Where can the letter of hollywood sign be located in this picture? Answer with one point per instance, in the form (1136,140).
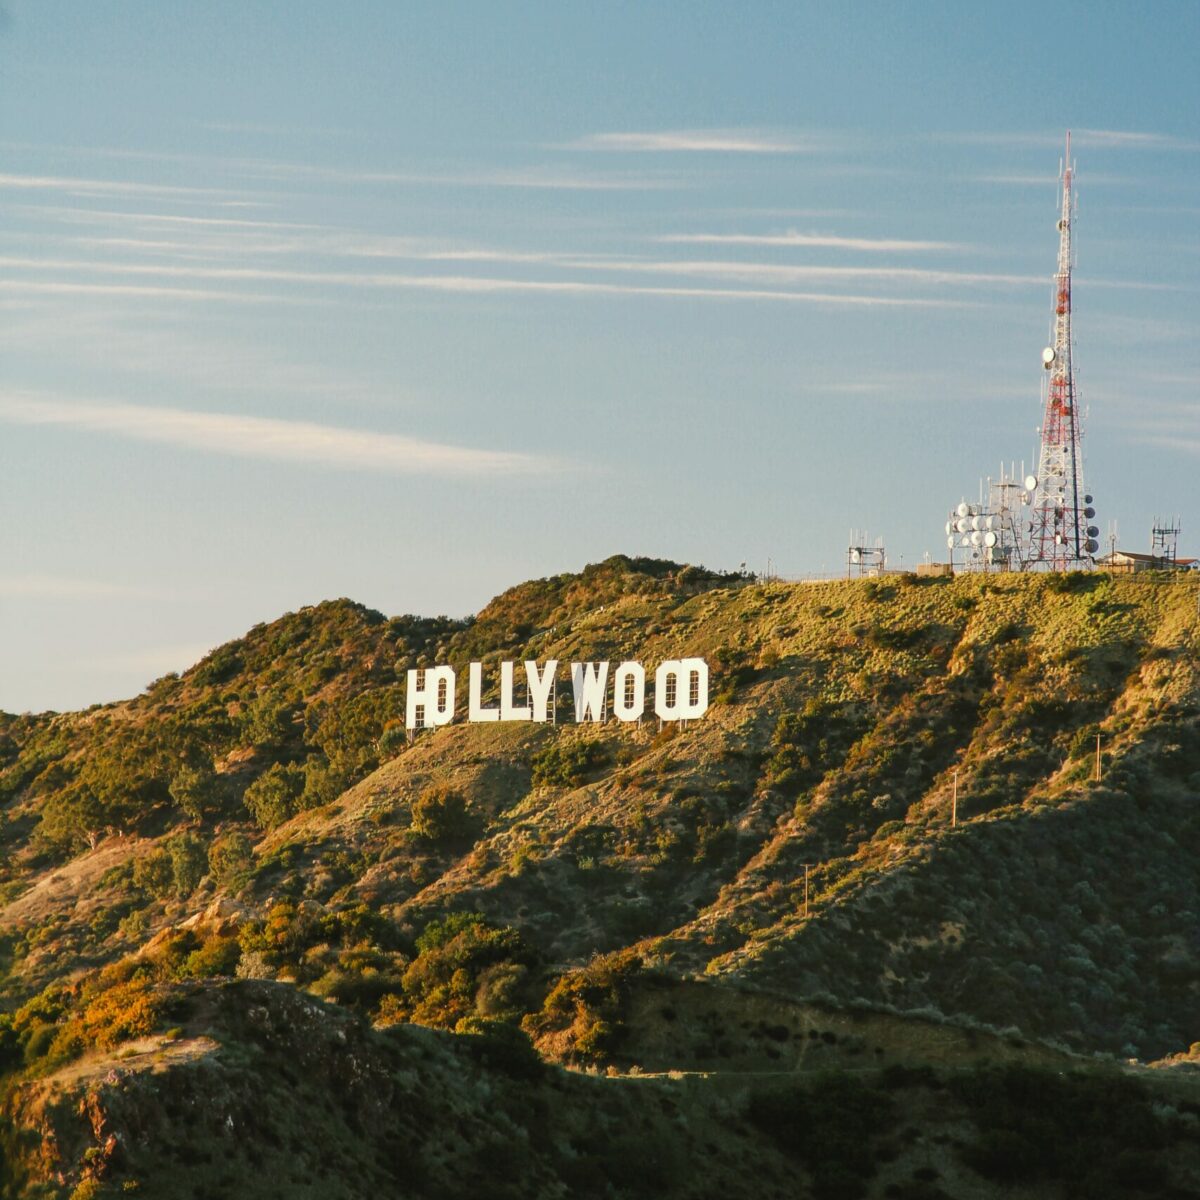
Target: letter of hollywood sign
(680,692)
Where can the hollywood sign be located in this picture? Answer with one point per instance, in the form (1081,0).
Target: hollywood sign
(680,692)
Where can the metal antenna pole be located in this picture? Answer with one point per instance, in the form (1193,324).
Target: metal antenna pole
(1061,536)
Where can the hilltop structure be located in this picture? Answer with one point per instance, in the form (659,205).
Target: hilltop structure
(1057,533)
(1061,537)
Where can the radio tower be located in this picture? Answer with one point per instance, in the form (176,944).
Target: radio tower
(1061,537)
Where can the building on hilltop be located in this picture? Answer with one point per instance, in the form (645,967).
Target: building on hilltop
(1130,563)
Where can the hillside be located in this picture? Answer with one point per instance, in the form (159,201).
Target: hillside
(632,898)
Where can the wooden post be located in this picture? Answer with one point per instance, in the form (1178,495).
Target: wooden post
(954,802)
(1097,774)
(806,891)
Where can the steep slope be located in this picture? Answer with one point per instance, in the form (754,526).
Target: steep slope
(274,778)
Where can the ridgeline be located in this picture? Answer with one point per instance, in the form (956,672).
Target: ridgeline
(257,943)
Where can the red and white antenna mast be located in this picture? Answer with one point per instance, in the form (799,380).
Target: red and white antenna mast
(1061,536)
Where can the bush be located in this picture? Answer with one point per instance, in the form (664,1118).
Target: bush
(154,873)
(196,791)
(566,764)
(274,796)
(440,814)
(231,860)
(589,1005)
(189,863)
(465,972)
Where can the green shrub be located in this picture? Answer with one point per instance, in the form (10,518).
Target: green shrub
(196,791)
(154,873)
(440,814)
(567,763)
(231,860)
(274,796)
(189,863)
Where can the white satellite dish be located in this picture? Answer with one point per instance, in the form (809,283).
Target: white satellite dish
(963,509)
(966,541)
(989,539)
(949,526)
(977,538)
(962,524)
(1031,483)
(856,556)
(951,542)
(976,522)
(1047,357)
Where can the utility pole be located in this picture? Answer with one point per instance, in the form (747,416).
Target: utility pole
(954,801)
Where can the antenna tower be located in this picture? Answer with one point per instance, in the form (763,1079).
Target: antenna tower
(1164,542)
(1061,536)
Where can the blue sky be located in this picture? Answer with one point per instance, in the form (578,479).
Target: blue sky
(409,303)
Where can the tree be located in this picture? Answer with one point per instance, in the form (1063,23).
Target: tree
(196,792)
(439,814)
(231,860)
(72,819)
(189,862)
(272,798)
(154,873)
(323,783)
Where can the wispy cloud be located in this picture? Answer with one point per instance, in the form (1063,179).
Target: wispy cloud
(1048,179)
(1120,139)
(269,438)
(62,587)
(483,285)
(809,239)
(100,187)
(710,141)
(535,177)
(102,216)
(51,287)
(783,274)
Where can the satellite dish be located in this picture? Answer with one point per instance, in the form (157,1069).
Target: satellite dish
(989,539)
(1091,545)
(962,524)
(963,509)
(856,556)
(1025,497)
(977,538)
(1089,512)
(951,542)
(977,522)
(1093,531)
(1031,483)
(949,526)
(1047,357)
(1087,499)
(966,541)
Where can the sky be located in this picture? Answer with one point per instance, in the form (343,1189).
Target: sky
(410,303)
